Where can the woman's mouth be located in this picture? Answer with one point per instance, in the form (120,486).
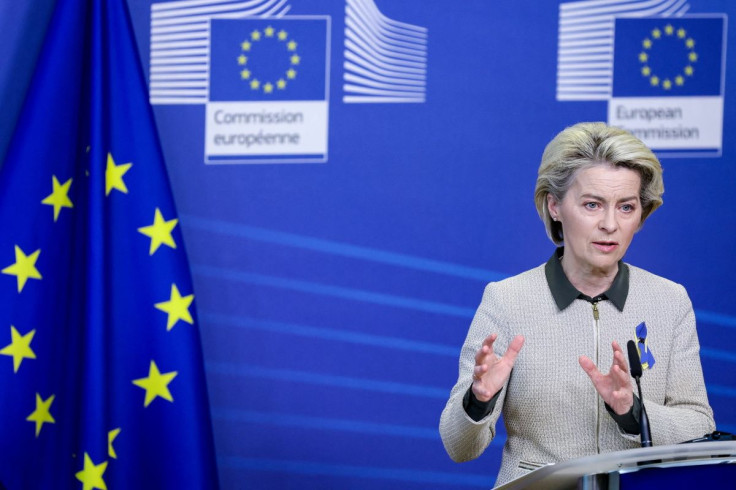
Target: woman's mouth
(605,245)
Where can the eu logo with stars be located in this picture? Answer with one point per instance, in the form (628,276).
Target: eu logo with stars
(668,83)
(663,57)
(267,59)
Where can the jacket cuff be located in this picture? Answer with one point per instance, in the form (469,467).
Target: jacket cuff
(478,410)
(628,422)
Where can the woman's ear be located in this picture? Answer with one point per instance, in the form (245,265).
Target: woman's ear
(553,206)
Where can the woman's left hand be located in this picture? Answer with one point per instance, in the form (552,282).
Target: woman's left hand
(614,387)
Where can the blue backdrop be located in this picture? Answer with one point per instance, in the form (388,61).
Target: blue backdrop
(333,297)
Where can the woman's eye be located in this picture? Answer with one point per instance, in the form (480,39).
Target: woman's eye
(591,205)
(627,208)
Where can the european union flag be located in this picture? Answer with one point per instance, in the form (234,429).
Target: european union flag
(101,370)
(668,56)
(268,59)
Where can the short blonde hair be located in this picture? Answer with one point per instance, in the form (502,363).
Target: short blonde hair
(592,143)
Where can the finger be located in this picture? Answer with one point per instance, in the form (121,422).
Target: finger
(589,367)
(485,349)
(480,356)
(616,347)
(616,360)
(620,361)
(479,371)
(621,376)
(513,350)
(490,340)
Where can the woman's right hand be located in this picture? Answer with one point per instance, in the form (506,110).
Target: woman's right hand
(491,372)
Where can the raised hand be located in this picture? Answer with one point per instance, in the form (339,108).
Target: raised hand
(614,387)
(491,372)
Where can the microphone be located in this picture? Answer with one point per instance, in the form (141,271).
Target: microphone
(636,372)
(634,361)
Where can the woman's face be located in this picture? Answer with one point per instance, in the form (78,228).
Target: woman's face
(599,215)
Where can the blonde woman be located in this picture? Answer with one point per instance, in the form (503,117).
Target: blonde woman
(544,347)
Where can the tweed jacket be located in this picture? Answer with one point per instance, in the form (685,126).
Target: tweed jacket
(550,408)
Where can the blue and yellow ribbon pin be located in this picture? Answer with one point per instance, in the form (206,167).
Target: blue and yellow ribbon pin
(645,354)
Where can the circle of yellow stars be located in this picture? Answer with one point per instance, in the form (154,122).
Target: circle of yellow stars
(246,47)
(656,35)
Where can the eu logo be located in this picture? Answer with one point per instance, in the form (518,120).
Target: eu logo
(661,57)
(267,59)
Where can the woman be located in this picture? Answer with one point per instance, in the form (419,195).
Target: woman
(540,342)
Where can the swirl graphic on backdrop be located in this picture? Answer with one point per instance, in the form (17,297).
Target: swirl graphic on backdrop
(385,60)
(667,40)
(250,48)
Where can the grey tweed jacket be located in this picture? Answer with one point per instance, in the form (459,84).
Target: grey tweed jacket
(550,409)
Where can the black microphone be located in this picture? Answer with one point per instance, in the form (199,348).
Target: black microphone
(634,361)
(636,372)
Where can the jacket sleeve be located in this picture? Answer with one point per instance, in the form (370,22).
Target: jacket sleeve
(685,413)
(465,439)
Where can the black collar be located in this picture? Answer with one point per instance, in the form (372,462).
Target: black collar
(565,293)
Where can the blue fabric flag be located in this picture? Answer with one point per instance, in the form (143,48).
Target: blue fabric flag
(668,57)
(101,369)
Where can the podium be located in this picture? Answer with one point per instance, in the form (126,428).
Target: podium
(708,464)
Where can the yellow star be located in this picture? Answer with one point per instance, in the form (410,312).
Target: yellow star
(268,88)
(156,384)
(690,43)
(643,57)
(269,31)
(245,46)
(646,43)
(91,474)
(668,29)
(654,81)
(59,197)
(656,33)
(254,84)
(693,56)
(19,347)
(255,35)
(646,71)
(283,35)
(667,84)
(24,267)
(177,308)
(679,80)
(681,33)
(295,59)
(291,73)
(689,70)
(114,175)
(281,84)
(242,59)
(159,232)
(291,45)
(245,74)
(110,439)
(41,414)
